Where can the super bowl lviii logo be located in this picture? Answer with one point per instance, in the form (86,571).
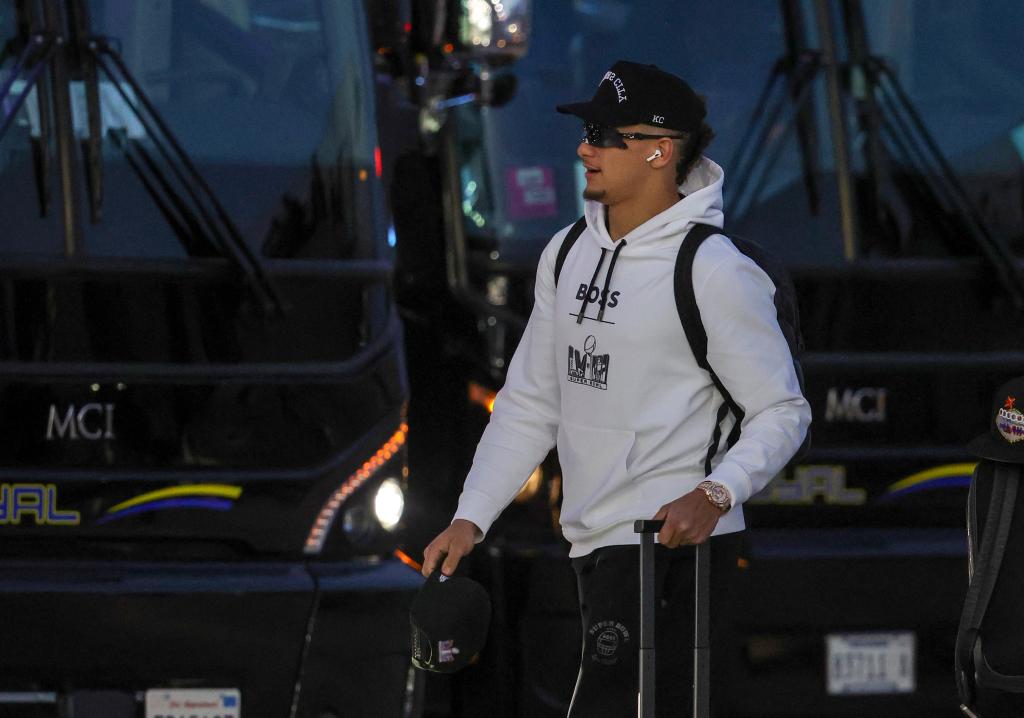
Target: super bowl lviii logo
(588,368)
(1010,421)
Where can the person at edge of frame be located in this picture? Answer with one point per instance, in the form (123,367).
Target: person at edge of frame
(604,372)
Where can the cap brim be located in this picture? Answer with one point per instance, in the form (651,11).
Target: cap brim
(988,447)
(451,667)
(586,111)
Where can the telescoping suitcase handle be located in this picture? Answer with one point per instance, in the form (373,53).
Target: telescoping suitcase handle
(701,610)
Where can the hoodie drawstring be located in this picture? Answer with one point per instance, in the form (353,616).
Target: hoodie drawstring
(603,296)
(586,294)
(608,278)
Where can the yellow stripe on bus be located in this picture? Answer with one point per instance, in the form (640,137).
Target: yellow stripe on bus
(939,472)
(222,490)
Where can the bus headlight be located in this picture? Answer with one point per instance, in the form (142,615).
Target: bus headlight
(358,520)
(389,503)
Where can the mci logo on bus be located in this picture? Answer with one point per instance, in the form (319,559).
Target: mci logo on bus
(92,422)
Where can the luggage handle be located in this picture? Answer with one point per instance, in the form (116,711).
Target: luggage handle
(701,609)
(645,697)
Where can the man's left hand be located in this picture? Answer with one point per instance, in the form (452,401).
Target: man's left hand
(690,519)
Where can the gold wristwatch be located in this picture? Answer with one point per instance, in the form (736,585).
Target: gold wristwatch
(717,494)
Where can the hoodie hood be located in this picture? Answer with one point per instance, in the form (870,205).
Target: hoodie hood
(701,203)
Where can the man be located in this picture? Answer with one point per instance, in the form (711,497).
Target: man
(604,371)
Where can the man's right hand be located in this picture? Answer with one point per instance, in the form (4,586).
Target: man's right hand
(451,545)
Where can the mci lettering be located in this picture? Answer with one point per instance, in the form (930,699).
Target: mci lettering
(91,422)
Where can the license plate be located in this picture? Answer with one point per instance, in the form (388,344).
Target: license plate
(193,703)
(870,663)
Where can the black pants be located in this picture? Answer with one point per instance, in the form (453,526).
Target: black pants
(609,591)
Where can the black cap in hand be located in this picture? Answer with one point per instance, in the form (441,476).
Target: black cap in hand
(449,616)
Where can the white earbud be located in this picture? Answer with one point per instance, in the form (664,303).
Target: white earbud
(657,153)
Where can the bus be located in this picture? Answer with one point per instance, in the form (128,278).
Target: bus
(202,375)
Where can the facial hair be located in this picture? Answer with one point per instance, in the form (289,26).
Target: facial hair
(594,194)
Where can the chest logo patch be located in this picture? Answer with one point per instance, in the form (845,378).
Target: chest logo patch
(588,368)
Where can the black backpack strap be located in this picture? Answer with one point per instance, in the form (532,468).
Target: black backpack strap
(986,560)
(686,296)
(570,239)
(697,336)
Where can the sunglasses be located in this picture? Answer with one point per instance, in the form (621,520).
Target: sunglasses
(603,136)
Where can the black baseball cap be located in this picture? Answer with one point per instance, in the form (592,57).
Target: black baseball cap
(1005,439)
(449,616)
(635,94)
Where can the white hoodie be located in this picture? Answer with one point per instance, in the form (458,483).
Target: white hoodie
(621,393)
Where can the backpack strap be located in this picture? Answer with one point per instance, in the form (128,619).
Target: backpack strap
(986,560)
(570,239)
(696,335)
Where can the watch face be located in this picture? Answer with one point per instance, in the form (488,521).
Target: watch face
(718,495)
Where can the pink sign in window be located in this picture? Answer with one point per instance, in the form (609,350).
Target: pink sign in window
(531,192)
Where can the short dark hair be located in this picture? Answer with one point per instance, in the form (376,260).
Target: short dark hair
(690,148)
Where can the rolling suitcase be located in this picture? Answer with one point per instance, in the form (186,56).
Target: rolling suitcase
(702,629)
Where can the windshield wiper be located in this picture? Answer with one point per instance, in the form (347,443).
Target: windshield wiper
(207,228)
(196,215)
(896,138)
(171,205)
(91,148)
(35,54)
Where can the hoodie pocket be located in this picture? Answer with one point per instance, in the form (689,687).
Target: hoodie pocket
(596,487)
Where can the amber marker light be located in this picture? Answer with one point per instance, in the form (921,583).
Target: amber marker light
(408,560)
(325,519)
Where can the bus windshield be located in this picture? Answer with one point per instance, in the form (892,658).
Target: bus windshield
(958,63)
(268,98)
